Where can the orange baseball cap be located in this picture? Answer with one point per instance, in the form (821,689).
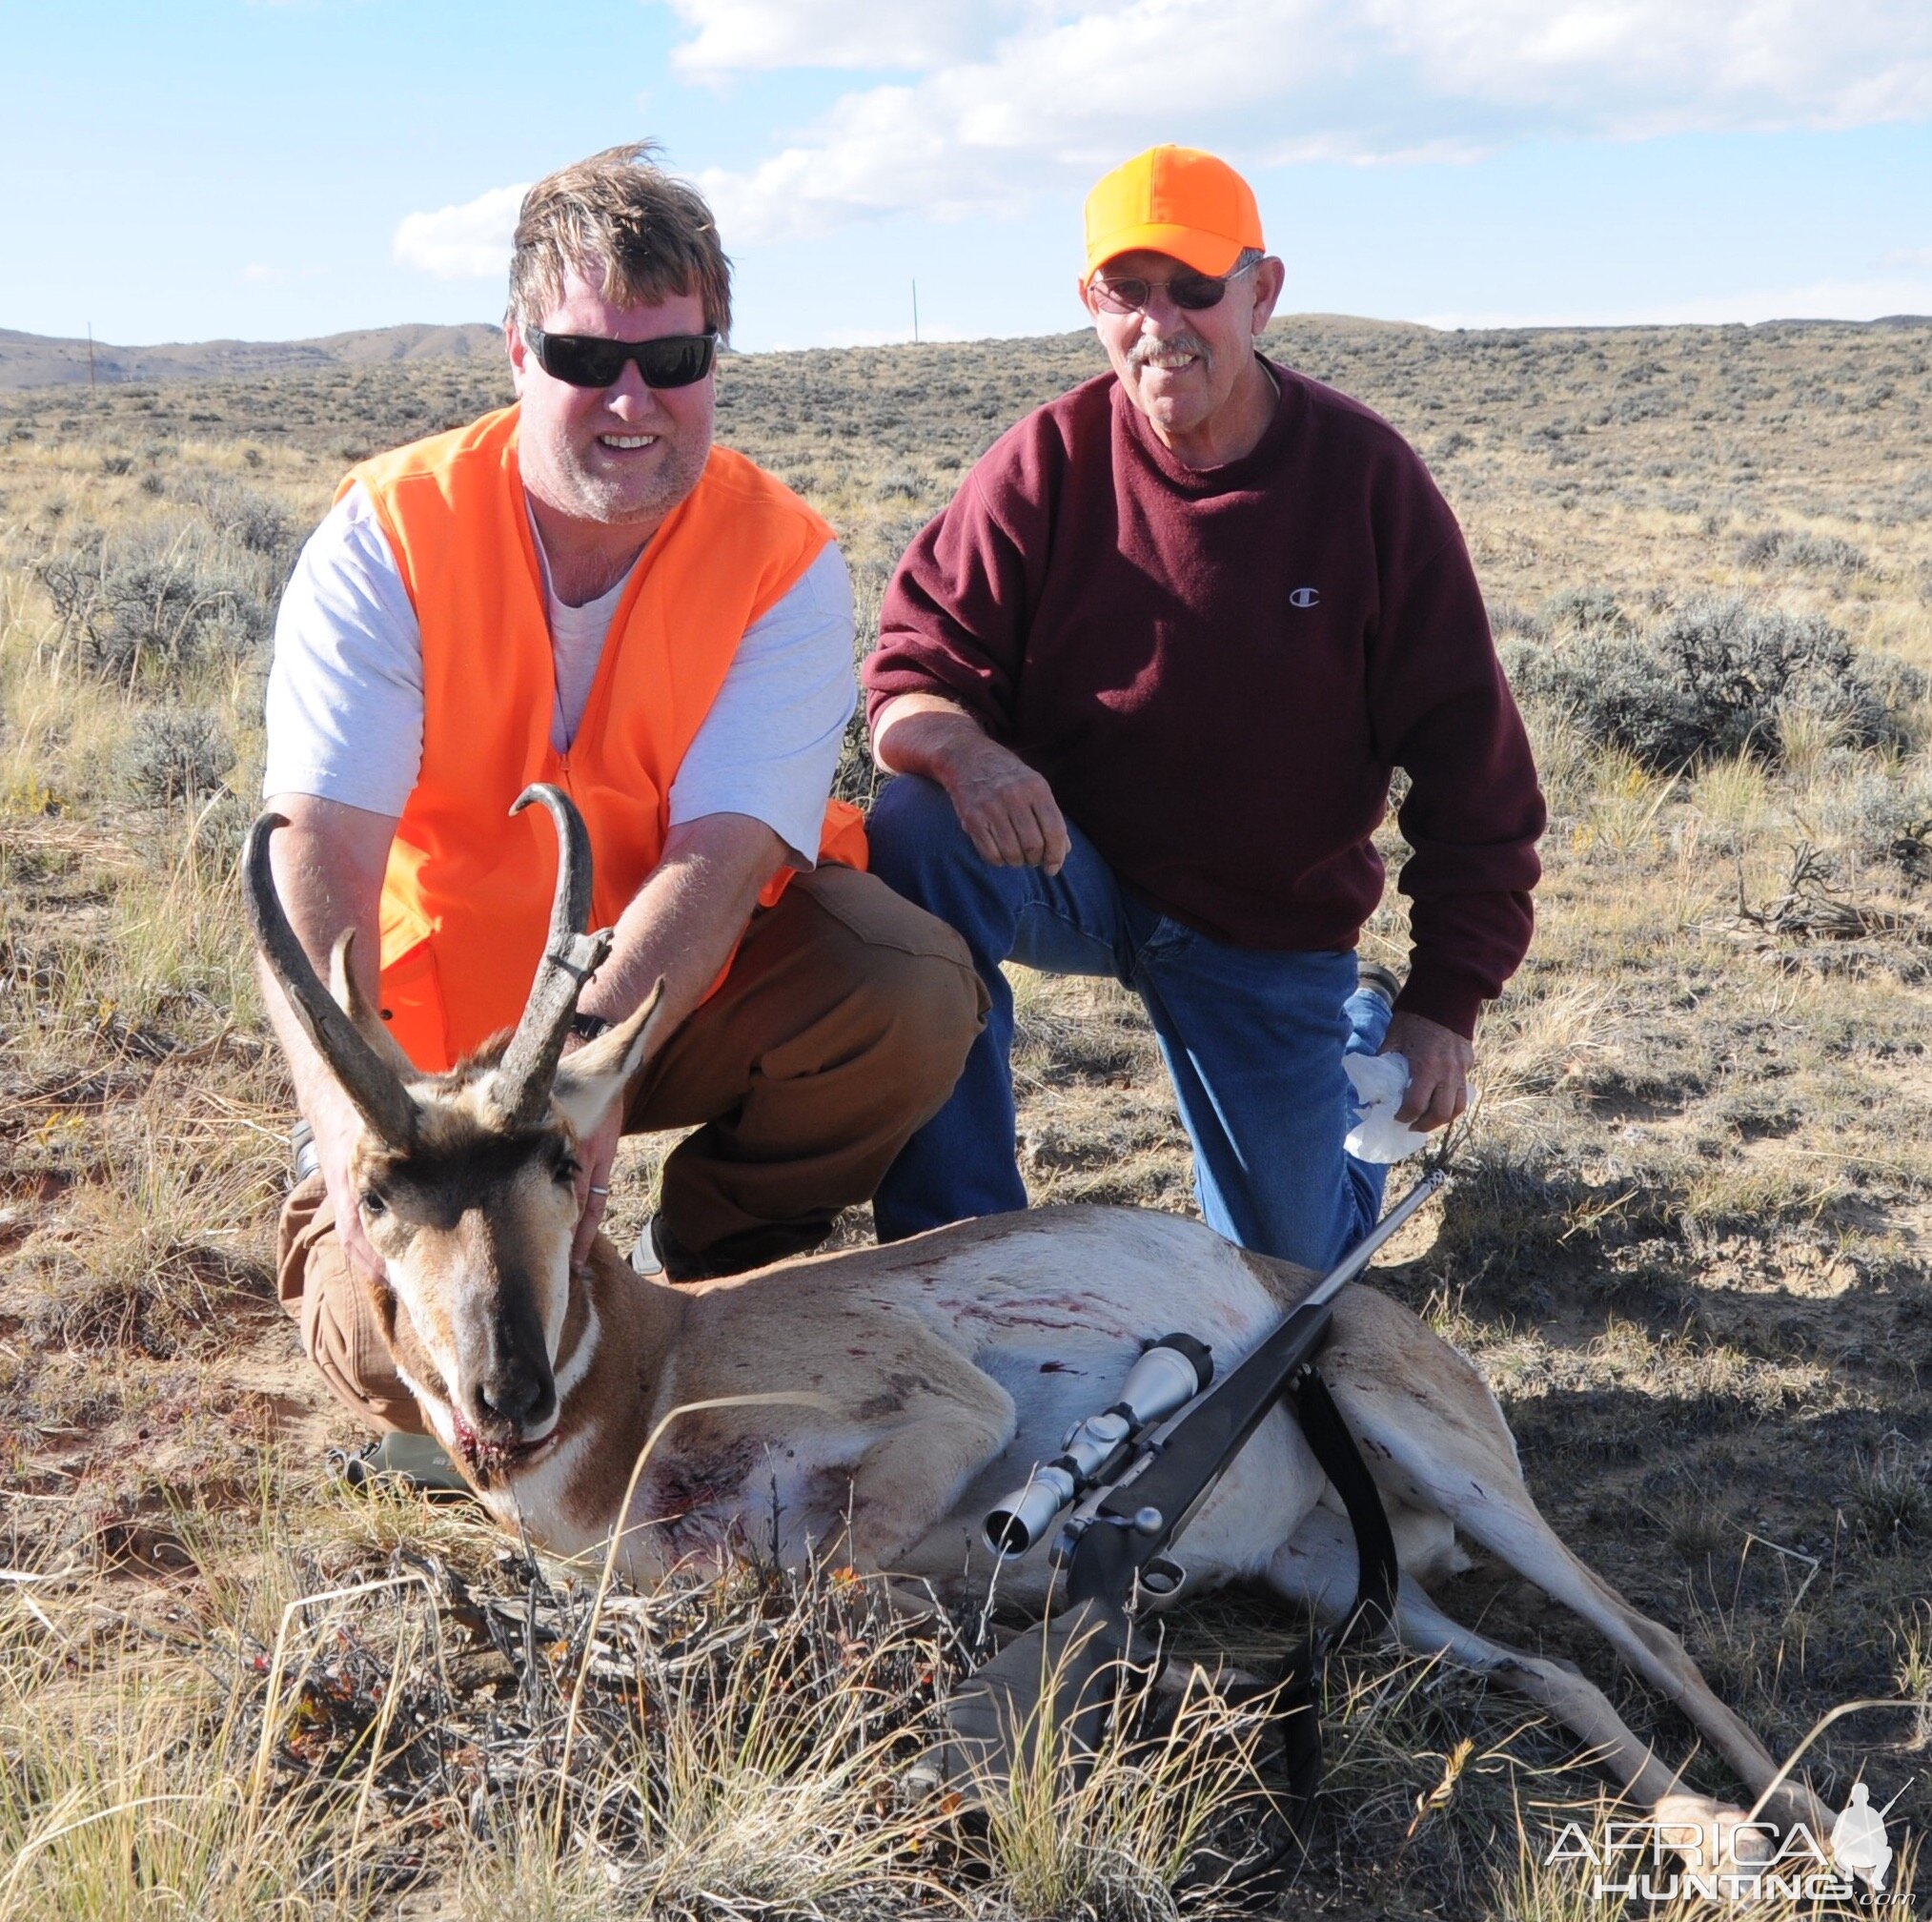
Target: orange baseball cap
(1174,201)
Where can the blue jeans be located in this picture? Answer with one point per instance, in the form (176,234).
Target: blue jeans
(1252,1038)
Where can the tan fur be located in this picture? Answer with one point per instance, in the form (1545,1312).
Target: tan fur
(929,1376)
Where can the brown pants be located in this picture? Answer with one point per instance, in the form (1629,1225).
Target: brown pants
(840,1028)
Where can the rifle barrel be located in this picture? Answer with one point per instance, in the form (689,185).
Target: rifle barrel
(1370,1245)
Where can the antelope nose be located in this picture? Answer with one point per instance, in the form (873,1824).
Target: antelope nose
(522,1399)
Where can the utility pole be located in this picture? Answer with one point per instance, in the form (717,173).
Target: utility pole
(915,313)
(89,357)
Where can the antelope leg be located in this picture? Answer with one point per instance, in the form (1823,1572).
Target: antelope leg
(1318,1570)
(1432,1435)
(1497,1510)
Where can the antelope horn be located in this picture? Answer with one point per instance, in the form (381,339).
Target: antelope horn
(521,1095)
(365,1078)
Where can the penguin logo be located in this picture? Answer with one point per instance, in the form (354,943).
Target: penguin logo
(1305,597)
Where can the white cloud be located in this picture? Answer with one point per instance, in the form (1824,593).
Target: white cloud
(1001,103)
(470,242)
(735,37)
(1629,68)
(1908,256)
(1005,101)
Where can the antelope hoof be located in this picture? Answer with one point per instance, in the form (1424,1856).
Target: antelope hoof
(1711,1835)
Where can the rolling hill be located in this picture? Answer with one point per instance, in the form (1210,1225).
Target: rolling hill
(45,361)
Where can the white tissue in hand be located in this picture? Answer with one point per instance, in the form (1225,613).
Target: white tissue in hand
(1380,1082)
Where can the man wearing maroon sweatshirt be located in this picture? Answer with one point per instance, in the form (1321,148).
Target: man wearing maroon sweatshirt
(1145,682)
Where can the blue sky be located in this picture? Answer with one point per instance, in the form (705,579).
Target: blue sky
(219,167)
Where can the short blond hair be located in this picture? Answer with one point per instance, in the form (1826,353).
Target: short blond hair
(641,235)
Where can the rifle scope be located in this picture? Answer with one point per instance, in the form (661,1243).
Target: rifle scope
(1167,1375)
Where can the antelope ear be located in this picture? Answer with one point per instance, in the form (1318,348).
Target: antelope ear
(368,1023)
(597,1074)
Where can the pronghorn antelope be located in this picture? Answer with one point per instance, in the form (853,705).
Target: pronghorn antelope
(938,1370)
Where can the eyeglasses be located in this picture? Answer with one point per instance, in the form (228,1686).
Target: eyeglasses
(1191,291)
(590,360)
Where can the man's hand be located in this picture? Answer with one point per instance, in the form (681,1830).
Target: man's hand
(594,1155)
(1006,808)
(328,862)
(680,927)
(337,1128)
(1439,1061)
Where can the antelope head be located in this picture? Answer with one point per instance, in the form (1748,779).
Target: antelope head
(463,1182)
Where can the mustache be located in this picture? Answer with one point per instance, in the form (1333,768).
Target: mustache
(1144,348)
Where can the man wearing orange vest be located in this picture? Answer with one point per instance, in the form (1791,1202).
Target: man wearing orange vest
(582,589)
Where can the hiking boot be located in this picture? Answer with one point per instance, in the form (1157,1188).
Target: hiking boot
(646,1259)
(303,1149)
(414,1462)
(662,1256)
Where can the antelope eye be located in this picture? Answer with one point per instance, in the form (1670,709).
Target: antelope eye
(373,1202)
(567,1169)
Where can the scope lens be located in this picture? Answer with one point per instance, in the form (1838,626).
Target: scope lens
(1007,1534)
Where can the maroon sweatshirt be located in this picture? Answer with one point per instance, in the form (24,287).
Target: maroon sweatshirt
(1217,670)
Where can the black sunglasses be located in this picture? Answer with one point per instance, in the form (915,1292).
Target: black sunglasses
(1193,292)
(590,360)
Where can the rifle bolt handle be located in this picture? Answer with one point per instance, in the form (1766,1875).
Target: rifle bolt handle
(1149,1520)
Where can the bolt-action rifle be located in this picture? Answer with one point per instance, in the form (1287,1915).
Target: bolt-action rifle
(1128,1480)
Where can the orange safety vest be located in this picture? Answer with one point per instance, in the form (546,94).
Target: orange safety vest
(466,898)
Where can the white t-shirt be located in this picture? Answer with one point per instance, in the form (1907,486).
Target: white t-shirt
(345,695)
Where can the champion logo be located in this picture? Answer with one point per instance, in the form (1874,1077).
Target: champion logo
(1305,597)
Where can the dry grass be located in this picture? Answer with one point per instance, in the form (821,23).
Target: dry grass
(1688,1247)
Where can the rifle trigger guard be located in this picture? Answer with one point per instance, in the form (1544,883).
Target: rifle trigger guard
(1162,1577)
